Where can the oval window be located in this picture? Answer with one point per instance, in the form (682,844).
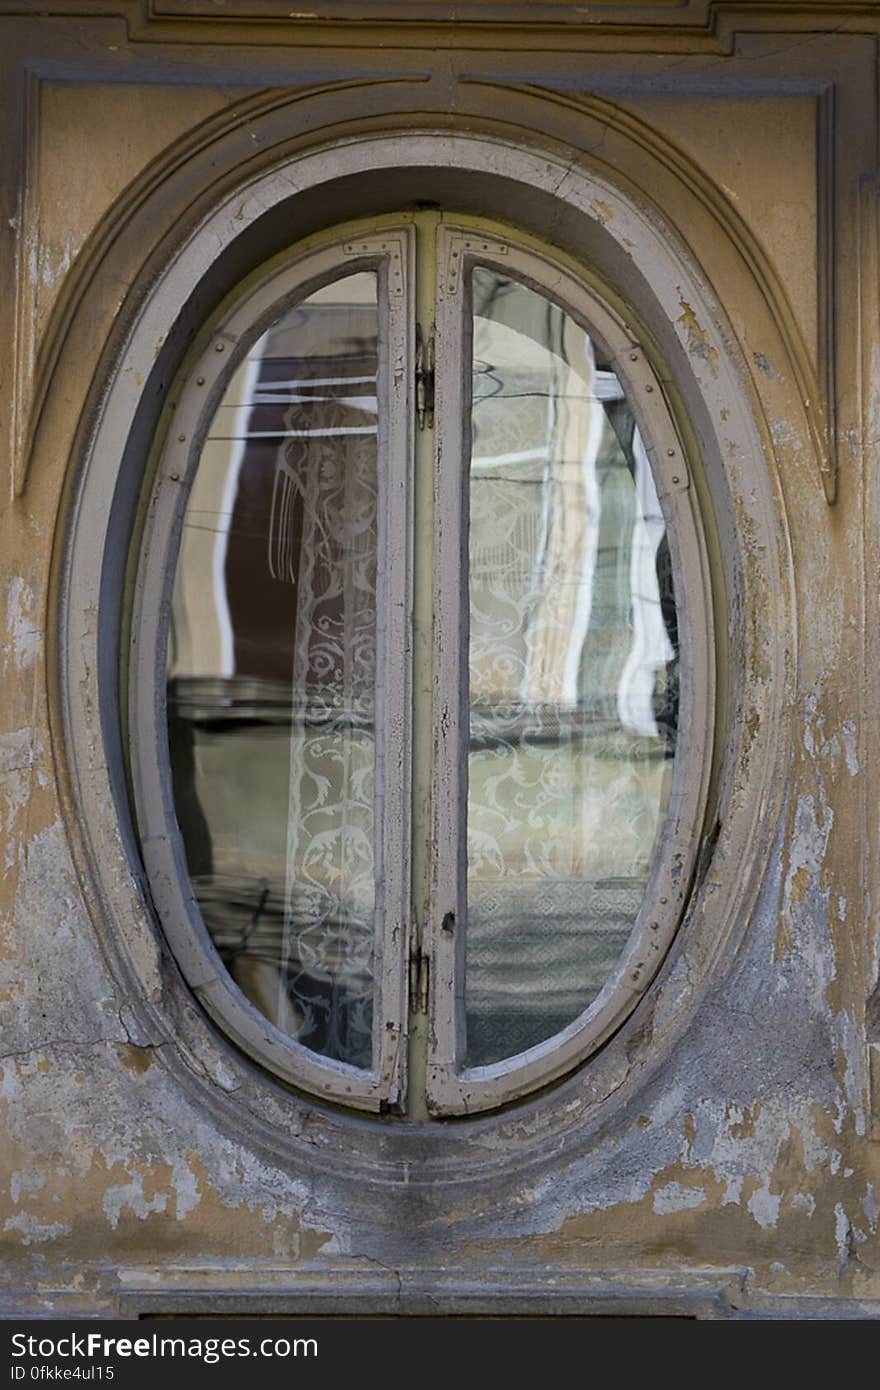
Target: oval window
(413,645)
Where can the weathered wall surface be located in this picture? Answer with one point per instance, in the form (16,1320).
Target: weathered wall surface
(732,1163)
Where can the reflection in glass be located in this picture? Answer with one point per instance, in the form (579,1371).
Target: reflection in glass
(573,659)
(272,667)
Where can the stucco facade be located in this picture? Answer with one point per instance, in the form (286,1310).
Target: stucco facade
(715,165)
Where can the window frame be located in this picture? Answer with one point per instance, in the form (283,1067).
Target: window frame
(449,1090)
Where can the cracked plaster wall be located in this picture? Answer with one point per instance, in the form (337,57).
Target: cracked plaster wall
(746,1148)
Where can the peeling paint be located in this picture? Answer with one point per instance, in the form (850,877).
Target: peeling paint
(763,363)
(131,1196)
(33,1232)
(673,1197)
(809,844)
(843,1232)
(848,731)
(26,1181)
(22,629)
(699,344)
(803,1201)
(734,1130)
(764,1206)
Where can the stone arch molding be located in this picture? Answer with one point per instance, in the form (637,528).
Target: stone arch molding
(654,278)
(256,133)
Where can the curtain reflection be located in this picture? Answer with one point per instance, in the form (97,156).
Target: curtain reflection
(572,664)
(272,672)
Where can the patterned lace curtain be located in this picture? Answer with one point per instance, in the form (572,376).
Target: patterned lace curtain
(324,537)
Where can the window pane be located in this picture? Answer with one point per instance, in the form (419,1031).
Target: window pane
(573,659)
(272,672)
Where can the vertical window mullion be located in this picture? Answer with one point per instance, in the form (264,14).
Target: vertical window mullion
(446,928)
(394,673)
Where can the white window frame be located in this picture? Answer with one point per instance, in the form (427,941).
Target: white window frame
(450,1088)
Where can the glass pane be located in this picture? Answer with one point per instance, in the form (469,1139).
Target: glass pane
(573,662)
(272,672)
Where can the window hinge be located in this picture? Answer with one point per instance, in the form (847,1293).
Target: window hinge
(424,378)
(419,979)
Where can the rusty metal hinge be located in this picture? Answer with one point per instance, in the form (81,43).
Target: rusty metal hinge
(424,378)
(419,978)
